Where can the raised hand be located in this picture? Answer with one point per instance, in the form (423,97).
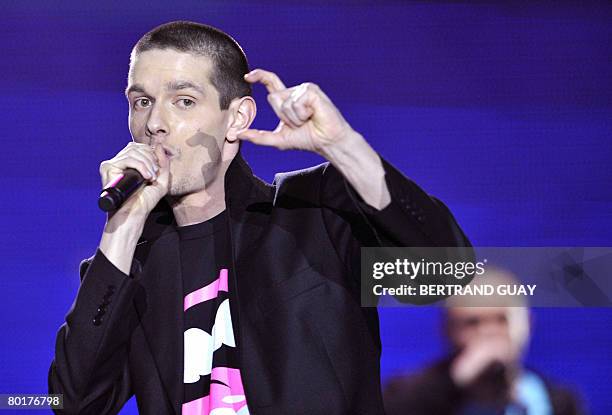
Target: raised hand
(308,118)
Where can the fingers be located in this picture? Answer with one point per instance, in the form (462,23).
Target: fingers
(162,159)
(277,92)
(142,152)
(301,102)
(470,363)
(163,175)
(137,156)
(277,102)
(271,81)
(294,106)
(146,161)
(266,138)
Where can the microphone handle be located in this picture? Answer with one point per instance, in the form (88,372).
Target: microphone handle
(119,190)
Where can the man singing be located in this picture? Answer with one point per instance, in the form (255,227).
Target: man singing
(212,292)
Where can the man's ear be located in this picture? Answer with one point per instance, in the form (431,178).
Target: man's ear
(242,112)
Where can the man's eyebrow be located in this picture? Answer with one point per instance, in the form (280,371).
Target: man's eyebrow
(134,88)
(178,85)
(171,86)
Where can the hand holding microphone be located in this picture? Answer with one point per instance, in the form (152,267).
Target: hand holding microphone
(120,189)
(134,180)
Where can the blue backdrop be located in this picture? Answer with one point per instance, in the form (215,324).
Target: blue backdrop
(502,111)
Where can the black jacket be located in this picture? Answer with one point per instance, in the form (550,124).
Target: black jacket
(306,346)
(432,391)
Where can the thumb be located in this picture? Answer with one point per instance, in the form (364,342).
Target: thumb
(164,165)
(162,158)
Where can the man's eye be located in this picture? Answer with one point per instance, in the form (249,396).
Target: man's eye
(142,102)
(186,102)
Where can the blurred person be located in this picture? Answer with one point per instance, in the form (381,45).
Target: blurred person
(484,372)
(213,292)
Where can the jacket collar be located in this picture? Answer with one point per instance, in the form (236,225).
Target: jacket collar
(242,188)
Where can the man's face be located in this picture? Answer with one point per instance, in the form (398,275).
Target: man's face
(466,325)
(173,104)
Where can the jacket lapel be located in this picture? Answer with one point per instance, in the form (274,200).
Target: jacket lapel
(245,197)
(162,314)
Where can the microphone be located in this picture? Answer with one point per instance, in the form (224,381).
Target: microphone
(119,190)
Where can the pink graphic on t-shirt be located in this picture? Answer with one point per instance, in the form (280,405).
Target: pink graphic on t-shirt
(226,397)
(226,394)
(207,293)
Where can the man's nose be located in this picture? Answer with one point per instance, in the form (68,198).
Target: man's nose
(157,124)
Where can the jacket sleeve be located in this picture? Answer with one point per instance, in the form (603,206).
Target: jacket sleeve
(90,367)
(412,218)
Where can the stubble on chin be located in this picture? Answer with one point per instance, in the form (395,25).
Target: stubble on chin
(188,184)
(181,187)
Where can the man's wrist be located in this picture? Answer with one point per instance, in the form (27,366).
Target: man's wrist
(362,167)
(119,240)
(344,150)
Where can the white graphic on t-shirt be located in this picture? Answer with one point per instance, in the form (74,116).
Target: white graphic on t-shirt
(199,345)
(229,411)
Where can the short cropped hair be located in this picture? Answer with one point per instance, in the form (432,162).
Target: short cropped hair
(228,59)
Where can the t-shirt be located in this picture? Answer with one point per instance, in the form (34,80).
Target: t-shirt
(212,380)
